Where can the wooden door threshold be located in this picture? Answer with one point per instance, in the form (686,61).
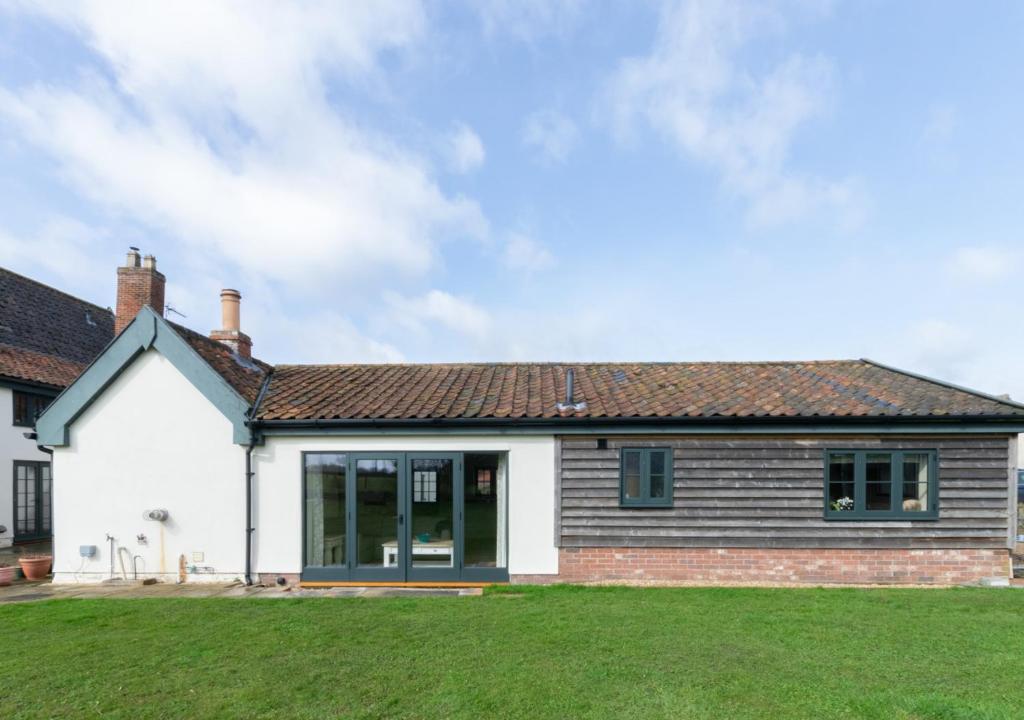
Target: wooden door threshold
(356,583)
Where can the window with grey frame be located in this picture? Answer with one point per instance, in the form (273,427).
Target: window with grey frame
(645,477)
(27,407)
(873,484)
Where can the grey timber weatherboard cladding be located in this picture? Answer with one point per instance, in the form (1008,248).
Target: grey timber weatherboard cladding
(769,492)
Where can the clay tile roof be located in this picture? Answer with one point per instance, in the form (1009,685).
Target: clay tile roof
(245,376)
(47,336)
(840,388)
(28,366)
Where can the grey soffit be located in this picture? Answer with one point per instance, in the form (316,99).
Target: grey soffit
(147,331)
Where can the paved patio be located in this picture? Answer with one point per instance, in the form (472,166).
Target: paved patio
(24,591)
(9,555)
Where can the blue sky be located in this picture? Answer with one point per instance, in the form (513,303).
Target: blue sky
(532,180)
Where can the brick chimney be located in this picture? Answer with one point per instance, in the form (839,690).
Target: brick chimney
(138,283)
(230,333)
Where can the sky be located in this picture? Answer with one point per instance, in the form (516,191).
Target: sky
(567,181)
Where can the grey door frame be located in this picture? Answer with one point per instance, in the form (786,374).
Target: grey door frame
(39,534)
(404,572)
(453,573)
(376,574)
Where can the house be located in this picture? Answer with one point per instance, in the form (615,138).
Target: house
(47,337)
(182,457)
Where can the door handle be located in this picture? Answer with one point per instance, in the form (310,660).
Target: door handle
(401,518)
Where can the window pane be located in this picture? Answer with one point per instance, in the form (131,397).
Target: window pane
(658,482)
(377,512)
(915,482)
(659,486)
(432,514)
(325,509)
(840,487)
(878,475)
(878,496)
(483,510)
(21,410)
(631,486)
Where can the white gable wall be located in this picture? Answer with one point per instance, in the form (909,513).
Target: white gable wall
(150,440)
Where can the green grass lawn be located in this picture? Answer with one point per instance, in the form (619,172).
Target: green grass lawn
(536,653)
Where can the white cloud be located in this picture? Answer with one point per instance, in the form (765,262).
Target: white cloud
(524,253)
(551,135)
(436,306)
(528,20)
(66,249)
(325,337)
(983,263)
(234,148)
(693,89)
(465,149)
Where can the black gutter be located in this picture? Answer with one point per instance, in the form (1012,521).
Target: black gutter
(252,423)
(31,435)
(601,422)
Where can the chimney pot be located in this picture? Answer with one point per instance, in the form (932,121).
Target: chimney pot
(230,309)
(231,333)
(149,262)
(132,260)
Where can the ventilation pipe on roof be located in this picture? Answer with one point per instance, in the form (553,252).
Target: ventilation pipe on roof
(570,404)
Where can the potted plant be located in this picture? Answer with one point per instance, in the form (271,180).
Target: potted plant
(35,567)
(6,574)
(843,504)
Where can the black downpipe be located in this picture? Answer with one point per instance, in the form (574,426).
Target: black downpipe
(249,529)
(253,424)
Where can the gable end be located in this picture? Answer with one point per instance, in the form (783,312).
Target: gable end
(147,330)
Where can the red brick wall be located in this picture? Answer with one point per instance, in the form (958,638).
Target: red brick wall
(270,579)
(771,565)
(137,286)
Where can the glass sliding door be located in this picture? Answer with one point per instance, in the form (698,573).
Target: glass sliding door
(379,515)
(405,516)
(432,534)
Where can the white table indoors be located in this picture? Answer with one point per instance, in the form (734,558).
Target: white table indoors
(431,548)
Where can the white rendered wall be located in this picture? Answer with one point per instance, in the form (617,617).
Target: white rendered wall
(13,446)
(531,493)
(150,440)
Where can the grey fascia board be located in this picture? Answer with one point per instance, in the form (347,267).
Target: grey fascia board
(469,426)
(147,330)
(30,386)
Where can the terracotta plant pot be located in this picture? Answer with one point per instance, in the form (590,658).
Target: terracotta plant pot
(6,575)
(35,567)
